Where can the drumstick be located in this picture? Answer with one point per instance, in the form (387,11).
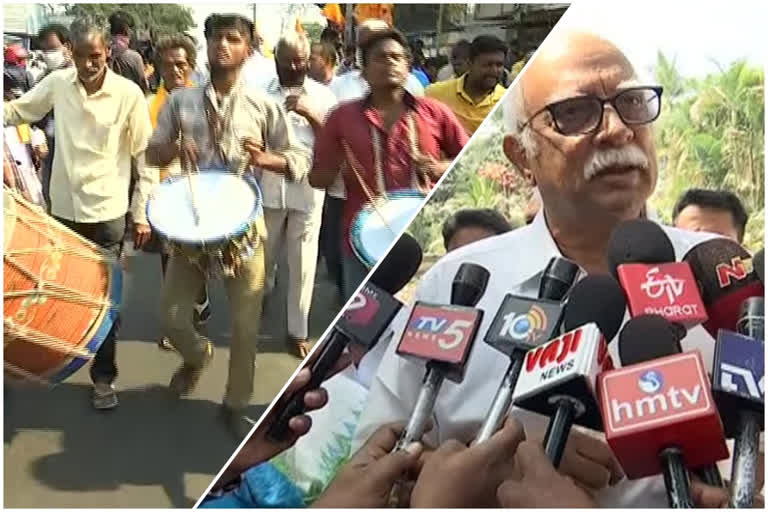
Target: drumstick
(351,160)
(191,183)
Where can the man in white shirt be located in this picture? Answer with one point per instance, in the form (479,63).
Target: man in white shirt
(101,122)
(293,210)
(592,157)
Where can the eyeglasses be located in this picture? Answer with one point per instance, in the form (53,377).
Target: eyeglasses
(584,114)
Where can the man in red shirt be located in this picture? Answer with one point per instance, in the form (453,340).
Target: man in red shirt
(388,140)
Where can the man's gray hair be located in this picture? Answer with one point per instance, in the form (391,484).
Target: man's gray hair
(83,29)
(293,40)
(515,116)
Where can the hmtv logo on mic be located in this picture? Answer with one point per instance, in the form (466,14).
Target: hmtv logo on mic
(523,323)
(661,403)
(440,332)
(668,290)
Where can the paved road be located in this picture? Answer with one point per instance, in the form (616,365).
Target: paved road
(153,450)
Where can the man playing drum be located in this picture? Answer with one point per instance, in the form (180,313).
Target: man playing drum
(101,122)
(390,139)
(176,58)
(221,124)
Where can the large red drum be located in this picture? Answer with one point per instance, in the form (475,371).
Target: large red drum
(61,295)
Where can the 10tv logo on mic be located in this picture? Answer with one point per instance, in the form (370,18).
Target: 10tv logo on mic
(522,323)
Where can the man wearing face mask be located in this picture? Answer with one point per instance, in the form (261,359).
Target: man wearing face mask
(102,123)
(123,60)
(57,54)
(292,210)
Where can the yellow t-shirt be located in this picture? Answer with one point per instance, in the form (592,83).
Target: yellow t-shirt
(470,114)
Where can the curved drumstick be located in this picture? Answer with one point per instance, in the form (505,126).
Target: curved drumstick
(190,182)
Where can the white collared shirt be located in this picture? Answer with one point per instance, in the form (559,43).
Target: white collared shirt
(515,261)
(96,136)
(278,192)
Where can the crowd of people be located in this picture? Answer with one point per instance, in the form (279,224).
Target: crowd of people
(594,166)
(323,136)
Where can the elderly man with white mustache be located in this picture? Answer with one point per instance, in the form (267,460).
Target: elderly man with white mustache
(580,131)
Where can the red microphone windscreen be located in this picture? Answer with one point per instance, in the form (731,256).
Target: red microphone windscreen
(726,277)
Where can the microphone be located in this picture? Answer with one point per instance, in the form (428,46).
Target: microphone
(658,411)
(738,388)
(727,277)
(642,258)
(443,335)
(519,325)
(558,379)
(363,322)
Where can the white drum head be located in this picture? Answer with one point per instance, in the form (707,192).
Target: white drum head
(225,202)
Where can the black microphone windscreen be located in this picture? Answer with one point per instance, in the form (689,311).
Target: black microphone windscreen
(639,241)
(558,278)
(399,265)
(469,284)
(648,337)
(599,299)
(758,261)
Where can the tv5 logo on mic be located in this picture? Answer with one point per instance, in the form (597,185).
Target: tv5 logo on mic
(442,333)
(660,403)
(669,290)
(522,323)
(368,315)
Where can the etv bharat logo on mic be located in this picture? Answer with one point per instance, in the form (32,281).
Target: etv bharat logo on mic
(668,294)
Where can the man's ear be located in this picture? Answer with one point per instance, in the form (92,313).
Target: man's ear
(519,157)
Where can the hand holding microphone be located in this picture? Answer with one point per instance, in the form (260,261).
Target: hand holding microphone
(362,324)
(457,476)
(366,480)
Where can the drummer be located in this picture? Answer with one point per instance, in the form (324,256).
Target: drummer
(176,59)
(378,131)
(220,120)
(101,122)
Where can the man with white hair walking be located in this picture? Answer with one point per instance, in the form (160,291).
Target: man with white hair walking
(293,209)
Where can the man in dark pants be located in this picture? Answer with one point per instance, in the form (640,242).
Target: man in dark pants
(102,123)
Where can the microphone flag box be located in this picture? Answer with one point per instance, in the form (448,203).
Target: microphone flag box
(368,315)
(567,366)
(666,402)
(442,334)
(522,323)
(738,377)
(668,290)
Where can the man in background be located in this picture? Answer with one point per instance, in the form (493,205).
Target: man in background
(459,62)
(473,95)
(293,209)
(470,225)
(176,58)
(57,54)
(714,211)
(322,62)
(123,60)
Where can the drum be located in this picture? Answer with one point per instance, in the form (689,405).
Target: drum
(375,227)
(229,209)
(61,295)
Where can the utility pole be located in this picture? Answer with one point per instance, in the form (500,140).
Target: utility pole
(439,31)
